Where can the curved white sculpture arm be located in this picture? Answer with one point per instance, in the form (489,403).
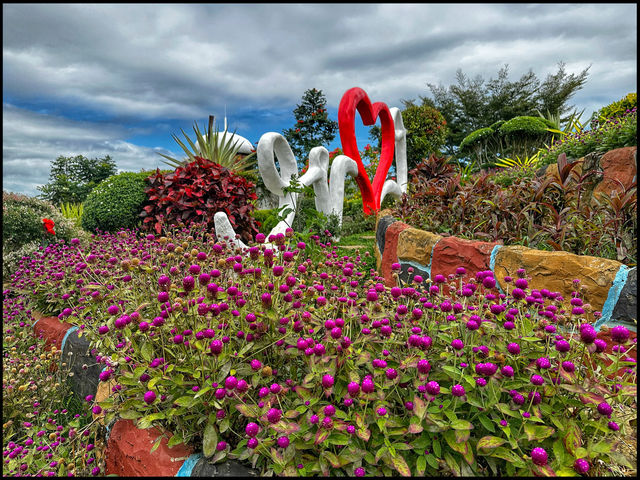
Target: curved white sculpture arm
(329,195)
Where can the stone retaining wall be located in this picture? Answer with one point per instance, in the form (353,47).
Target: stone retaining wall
(607,285)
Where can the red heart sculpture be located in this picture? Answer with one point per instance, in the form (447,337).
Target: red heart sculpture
(357,99)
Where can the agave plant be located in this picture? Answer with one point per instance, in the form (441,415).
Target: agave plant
(523,163)
(215,147)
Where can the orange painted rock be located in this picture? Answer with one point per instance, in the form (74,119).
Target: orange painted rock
(416,245)
(390,255)
(53,330)
(128,452)
(556,271)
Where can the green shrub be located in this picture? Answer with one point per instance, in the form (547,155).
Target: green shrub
(615,110)
(609,135)
(268,219)
(72,211)
(116,202)
(22,224)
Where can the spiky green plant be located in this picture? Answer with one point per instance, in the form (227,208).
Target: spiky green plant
(222,150)
(524,163)
(72,211)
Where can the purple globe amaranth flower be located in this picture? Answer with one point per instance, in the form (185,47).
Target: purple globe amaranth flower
(600,344)
(327,423)
(543,363)
(620,334)
(283,442)
(481,382)
(252,443)
(534,397)
(327,381)
(256,364)
(539,456)
(457,344)
(329,410)
(587,333)
(408,406)
(424,366)
(381,411)
(353,388)
(216,346)
(313,419)
(518,399)
(563,346)
(457,390)
(581,466)
(188,283)
(605,409)
(368,386)
(568,366)
(613,426)
(274,415)
(391,373)
(513,348)
(252,429)
(221,445)
(472,325)
(149,397)
(537,380)
(231,383)
(433,388)
(102,329)
(507,371)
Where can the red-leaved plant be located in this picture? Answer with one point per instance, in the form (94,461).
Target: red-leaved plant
(195,193)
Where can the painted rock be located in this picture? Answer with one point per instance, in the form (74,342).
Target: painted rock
(556,271)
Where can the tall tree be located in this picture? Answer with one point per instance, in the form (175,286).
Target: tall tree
(72,178)
(313,126)
(426,130)
(473,103)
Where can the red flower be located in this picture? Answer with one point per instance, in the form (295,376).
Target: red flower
(48,225)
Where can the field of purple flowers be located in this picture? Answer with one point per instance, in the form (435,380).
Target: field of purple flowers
(297,362)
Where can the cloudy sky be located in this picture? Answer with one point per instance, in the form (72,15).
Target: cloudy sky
(118,80)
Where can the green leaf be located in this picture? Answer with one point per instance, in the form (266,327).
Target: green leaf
(421,465)
(508,455)
(537,432)
(400,464)
(130,414)
(437,450)
(210,440)
(486,423)
(321,436)
(339,439)
(431,460)
(489,442)
(176,439)
(333,460)
(572,438)
(185,401)
(147,351)
(461,425)
(201,392)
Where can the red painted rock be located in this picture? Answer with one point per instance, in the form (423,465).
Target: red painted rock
(128,453)
(618,165)
(452,252)
(52,329)
(390,254)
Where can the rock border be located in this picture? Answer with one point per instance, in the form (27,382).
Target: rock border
(607,285)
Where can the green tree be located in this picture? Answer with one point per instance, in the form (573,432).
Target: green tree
(472,104)
(426,130)
(313,127)
(72,178)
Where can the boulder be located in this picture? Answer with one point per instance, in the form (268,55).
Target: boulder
(619,167)
(389,254)
(416,246)
(128,452)
(556,271)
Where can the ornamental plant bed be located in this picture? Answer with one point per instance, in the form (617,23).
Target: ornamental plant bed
(294,360)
